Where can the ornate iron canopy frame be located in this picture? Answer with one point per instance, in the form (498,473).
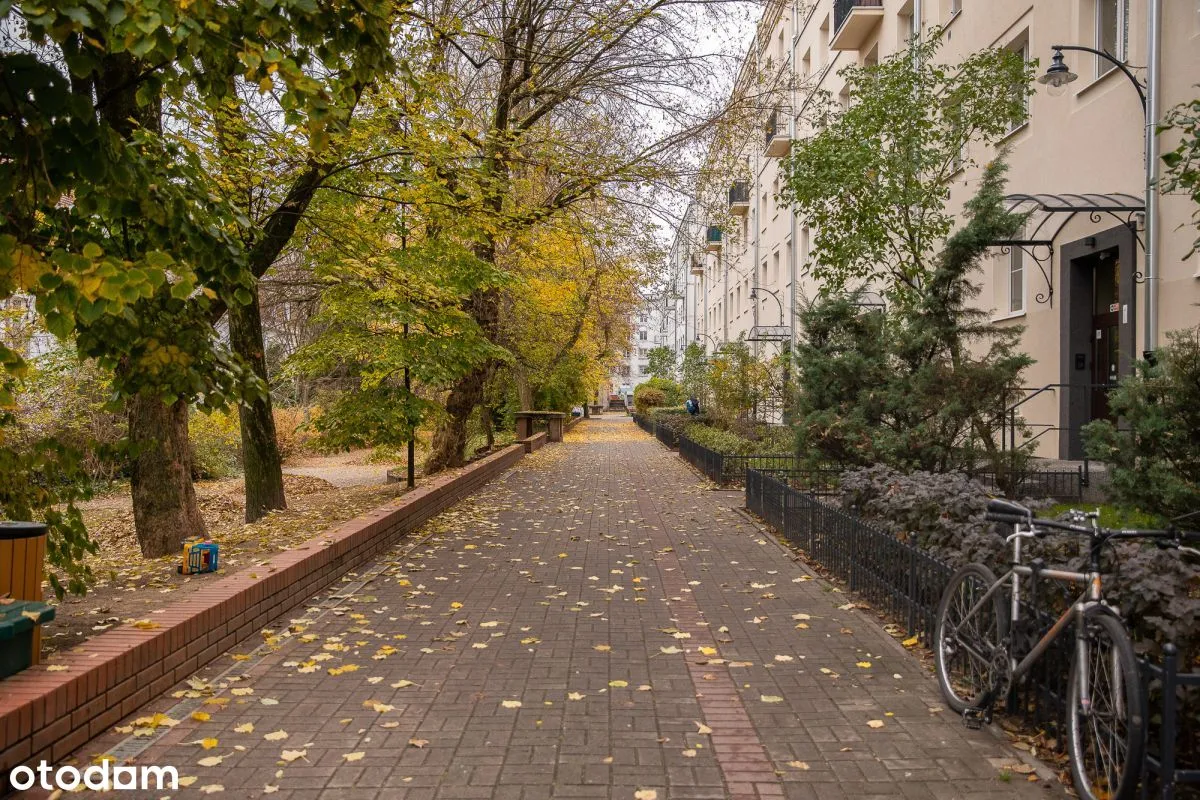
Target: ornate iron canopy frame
(1049,214)
(770,333)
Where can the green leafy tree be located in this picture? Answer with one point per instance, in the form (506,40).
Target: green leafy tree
(920,386)
(115,226)
(874,180)
(661,362)
(1154,455)
(694,371)
(738,381)
(843,359)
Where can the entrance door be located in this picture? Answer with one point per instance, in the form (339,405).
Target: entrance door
(1106,331)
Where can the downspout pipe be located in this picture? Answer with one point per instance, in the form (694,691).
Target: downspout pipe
(1153,62)
(792,133)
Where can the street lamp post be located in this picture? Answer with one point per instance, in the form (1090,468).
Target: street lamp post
(754,290)
(716,345)
(1056,78)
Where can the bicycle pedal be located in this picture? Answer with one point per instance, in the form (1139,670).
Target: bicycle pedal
(976,718)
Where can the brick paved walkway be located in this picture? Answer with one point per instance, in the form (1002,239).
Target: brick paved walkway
(596,624)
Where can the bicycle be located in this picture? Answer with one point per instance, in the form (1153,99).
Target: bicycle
(978,659)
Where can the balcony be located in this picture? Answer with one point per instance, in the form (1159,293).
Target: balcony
(739,198)
(778,141)
(712,239)
(697,266)
(853,21)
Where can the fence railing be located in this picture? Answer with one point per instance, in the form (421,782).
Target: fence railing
(645,423)
(726,468)
(708,461)
(666,435)
(1063,485)
(907,584)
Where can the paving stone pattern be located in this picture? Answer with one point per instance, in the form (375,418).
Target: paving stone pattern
(624,632)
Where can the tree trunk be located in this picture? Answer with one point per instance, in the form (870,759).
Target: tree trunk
(524,389)
(261,461)
(446,451)
(450,440)
(165,512)
(489,430)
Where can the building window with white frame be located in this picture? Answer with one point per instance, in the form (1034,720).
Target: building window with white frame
(1016,280)
(1112,32)
(1020,46)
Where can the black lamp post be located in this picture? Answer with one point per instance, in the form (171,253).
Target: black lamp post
(1056,78)
(754,290)
(1058,74)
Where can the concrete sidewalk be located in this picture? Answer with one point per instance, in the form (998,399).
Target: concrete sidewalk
(595,624)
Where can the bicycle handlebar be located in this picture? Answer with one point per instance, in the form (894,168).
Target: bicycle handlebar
(1011,513)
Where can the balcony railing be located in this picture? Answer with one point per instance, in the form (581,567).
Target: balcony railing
(778,139)
(850,37)
(739,192)
(713,237)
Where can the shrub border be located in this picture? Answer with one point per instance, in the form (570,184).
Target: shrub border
(48,715)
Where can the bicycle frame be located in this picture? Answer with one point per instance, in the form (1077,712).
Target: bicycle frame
(1090,597)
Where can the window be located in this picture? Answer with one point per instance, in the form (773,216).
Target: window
(1112,32)
(1020,46)
(775,266)
(1016,280)
(642,335)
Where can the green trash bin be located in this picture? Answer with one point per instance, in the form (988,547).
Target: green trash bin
(19,621)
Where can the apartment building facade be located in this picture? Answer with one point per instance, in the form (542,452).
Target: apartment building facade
(1078,281)
(649,330)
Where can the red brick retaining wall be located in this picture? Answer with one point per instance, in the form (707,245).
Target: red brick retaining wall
(534,442)
(48,715)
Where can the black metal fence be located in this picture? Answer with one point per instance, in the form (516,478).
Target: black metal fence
(907,584)
(1063,485)
(725,468)
(708,461)
(645,423)
(894,575)
(666,435)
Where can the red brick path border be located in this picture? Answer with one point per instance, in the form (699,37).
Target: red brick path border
(47,715)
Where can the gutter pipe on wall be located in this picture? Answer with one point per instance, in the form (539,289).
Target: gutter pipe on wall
(1153,59)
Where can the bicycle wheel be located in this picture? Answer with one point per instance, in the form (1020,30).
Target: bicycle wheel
(1106,741)
(968,641)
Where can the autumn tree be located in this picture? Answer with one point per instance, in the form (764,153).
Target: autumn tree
(570,281)
(113,224)
(544,98)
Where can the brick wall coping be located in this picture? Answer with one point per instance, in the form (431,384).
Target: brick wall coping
(47,715)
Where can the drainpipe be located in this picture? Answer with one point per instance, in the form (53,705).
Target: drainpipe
(918,16)
(1153,57)
(723,262)
(756,164)
(792,133)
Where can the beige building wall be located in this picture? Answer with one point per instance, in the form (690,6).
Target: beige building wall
(1088,140)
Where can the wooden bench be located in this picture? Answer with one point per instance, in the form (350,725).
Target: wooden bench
(553,420)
